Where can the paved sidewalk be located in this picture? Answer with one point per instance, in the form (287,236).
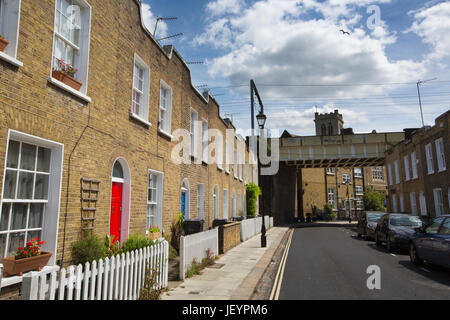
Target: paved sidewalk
(243,266)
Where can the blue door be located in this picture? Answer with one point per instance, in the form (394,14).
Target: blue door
(183,203)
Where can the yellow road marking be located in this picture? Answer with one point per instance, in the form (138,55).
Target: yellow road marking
(279,277)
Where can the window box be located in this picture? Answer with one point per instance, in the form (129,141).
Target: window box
(154,235)
(3,44)
(13,266)
(66,79)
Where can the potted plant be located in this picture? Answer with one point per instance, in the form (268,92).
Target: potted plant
(154,233)
(65,73)
(3,43)
(27,258)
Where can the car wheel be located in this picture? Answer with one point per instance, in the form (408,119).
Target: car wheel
(413,256)
(377,239)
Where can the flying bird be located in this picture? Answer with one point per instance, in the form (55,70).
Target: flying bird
(345,32)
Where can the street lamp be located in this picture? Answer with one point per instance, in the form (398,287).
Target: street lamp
(261,118)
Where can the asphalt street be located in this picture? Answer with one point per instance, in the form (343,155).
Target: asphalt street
(330,262)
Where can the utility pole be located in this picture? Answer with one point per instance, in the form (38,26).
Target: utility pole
(420,100)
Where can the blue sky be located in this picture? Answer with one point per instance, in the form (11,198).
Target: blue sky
(301,62)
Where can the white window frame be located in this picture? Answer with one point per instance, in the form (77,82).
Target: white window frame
(415,174)
(216,199)
(390,176)
(219,152)
(331,196)
(239,205)
(50,219)
(9,29)
(397,172)
(235,161)
(227,157)
(406,165)
(205,141)
(438,202)
(82,58)
(165,109)
(330,171)
(346,177)
(429,157)
(402,203)
(225,204)
(358,172)
(158,202)
(233,204)
(412,199)
(193,132)
(440,155)
(359,190)
(423,204)
(200,201)
(144,106)
(378,173)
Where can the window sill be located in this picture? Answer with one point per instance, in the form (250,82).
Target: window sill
(167,135)
(219,168)
(11,60)
(227,172)
(138,118)
(442,170)
(65,87)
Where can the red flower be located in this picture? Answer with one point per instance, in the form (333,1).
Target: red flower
(29,244)
(41,243)
(19,248)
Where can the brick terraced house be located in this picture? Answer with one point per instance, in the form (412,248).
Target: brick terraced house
(418,175)
(100,155)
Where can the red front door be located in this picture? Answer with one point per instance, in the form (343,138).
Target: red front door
(116,210)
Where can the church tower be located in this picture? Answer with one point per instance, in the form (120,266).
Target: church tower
(329,124)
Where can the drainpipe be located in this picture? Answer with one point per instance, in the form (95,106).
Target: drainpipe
(68,184)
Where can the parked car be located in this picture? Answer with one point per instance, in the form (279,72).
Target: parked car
(432,243)
(396,229)
(367,223)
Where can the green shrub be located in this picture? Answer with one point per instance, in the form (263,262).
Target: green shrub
(136,242)
(374,200)
(253,191)
(149,289)
(89,248)
(176,232)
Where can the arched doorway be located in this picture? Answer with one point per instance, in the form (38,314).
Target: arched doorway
(185,199)
(120,204)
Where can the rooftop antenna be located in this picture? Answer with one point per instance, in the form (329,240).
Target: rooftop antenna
(420,100)
(169,37)
(231,115)
(158,19)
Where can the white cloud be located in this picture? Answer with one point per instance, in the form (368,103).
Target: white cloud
(150,21)
(221,7)
(432,24)
(270,43)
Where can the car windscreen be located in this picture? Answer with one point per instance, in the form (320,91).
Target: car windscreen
(374,217)
(405,220)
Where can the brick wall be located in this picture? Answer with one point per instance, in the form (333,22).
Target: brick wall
(231,235)
(98,133)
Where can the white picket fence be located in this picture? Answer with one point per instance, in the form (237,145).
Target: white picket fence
(118,278)
(251,227)
(195,246)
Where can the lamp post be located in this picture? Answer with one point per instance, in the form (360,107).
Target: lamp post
(261,118)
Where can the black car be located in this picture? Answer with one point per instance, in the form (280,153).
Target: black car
(432,243)
(396,229)
(367,223)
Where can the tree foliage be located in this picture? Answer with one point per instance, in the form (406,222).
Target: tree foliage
(253,191)
(374,200)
